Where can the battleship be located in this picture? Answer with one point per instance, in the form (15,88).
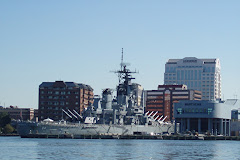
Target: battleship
(117,116)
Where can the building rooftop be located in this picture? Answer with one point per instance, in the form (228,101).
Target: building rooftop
(67,84)
(212,60)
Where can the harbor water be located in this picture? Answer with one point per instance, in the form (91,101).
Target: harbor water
(60,149)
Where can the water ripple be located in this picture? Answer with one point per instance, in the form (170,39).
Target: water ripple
(61,149)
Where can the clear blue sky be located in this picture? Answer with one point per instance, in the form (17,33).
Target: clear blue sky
(81,41)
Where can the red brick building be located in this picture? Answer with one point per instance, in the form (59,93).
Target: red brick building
(19,113)
(58,95)
(162,100)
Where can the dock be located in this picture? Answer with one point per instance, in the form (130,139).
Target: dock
(153,137)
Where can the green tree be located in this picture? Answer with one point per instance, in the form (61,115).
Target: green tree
(8,129)
(4,119)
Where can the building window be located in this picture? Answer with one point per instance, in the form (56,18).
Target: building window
(179,111)
(195,74)
(209,111)
(191,74)
(182,75)
(199,75)
(166,69)
(195,84)
(178,75)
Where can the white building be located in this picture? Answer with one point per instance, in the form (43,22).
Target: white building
(198,74)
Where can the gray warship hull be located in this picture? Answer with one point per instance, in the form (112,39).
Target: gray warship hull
(34,129)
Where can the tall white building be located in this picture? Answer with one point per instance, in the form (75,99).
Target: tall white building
(198,74)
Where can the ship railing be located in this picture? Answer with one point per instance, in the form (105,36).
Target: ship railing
(62,123)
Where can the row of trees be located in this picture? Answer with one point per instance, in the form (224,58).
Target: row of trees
(5,126)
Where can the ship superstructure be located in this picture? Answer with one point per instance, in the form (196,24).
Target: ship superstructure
(122,110)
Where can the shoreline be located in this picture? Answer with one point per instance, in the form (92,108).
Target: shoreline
(9,135)
(147,137)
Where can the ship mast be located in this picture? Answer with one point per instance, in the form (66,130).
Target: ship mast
(122,60)
(122,65)
(124,74)
(125,77)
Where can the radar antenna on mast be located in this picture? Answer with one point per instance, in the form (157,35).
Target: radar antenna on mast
(122,60)
(124,74)
(122,63)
